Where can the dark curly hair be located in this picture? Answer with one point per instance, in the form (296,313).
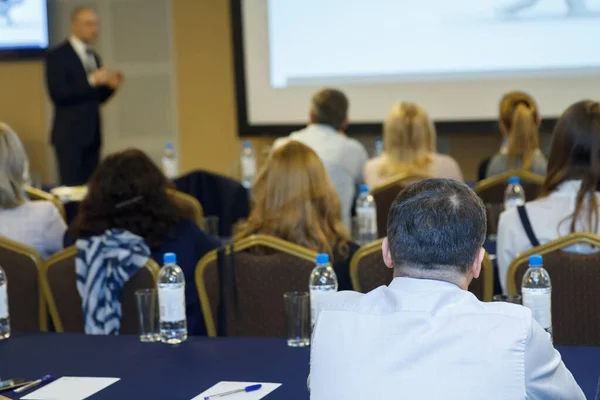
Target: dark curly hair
(128,191)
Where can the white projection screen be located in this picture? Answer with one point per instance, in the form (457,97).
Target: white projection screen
(455,58)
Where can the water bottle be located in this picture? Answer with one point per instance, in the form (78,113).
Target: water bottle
(248,163)
(4,317)
(378,147)
(170,162)
(514,195)
(366,216)
(171,299)
(322,284)
(536,289)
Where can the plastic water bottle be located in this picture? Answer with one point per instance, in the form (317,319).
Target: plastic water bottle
(322,284)
(378,147)
(4,317)
(170,162)
(514,195)
(171,298)
(536,289)
(366,215)
(248,163)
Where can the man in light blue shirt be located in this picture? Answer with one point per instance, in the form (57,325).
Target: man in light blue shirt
(344,158)
(425,336)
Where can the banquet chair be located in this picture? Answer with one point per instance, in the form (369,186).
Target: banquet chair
(26,305)
(247,297)
(575,281)
(491,190)
(64,302)
(189,204)
(386,193)
(37,194)
(368,272)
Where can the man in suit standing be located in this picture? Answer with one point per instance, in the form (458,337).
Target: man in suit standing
(78,85)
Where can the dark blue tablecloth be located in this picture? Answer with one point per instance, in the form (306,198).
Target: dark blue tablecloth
(157,371)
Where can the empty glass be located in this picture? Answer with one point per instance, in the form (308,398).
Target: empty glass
(515,299)
(210,224)
(297,318)
(148,315)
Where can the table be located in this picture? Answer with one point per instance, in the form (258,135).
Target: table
(157,371)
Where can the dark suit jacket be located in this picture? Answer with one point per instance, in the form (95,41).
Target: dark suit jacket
(76,103)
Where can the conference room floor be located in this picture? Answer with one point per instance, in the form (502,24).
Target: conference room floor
(158,371)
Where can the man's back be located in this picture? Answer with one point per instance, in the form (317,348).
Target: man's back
(343,158)
(427,339)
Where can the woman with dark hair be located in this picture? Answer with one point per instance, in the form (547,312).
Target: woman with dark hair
(128,192)
(570,199)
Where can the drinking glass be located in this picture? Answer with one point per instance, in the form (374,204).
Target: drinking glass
(148,315)
(515,299)
(297,317)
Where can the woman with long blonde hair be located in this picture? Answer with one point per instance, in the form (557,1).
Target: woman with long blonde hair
(293,199)
(519,124)
(409,147)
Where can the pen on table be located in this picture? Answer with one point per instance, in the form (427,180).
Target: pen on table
(44,379)
(250,388)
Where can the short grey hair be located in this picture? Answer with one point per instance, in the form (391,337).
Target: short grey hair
(13,160)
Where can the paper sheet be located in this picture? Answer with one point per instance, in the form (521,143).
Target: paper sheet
(226,386)
(70,388)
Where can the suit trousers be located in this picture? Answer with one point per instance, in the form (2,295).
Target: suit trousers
(76,165)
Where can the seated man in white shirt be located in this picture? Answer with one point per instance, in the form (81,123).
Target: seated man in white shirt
(425,336)
(343,157)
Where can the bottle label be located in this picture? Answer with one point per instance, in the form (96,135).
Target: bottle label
(367,221)
(3,302)
(172,304)
(170,168)
(540,305)
(248,166)
(318,298)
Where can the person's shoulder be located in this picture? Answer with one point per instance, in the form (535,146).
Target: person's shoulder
(515,312)
(353,144)
(41,208)
(374,302)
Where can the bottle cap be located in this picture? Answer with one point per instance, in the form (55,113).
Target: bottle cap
(169,146)
(364,189)
(170,258)
(322,258)
(514,180)
(247,144)
(535,261)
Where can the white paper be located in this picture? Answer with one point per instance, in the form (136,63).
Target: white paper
(227,386)
(71,388)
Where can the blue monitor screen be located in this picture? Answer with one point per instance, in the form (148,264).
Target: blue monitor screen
(23,25)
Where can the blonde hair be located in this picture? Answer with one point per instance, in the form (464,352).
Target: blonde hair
(408,140)
(295,201)
(12,165)
(520,118)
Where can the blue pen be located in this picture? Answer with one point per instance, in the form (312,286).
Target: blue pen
(43,380)
(251,388)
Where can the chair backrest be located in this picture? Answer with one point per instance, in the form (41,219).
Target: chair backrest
(491,190)
(575,280)
(60,288)
(368,272)
(26,305)
(37,194)
(189,204)
(265,268)
(386,193)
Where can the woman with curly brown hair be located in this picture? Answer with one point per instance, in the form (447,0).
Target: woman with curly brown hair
(294,200)
(129,192)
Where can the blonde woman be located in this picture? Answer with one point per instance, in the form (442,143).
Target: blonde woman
(37,224)
(519,124)
(294,200)
(409,147)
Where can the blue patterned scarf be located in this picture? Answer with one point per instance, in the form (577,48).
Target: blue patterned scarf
(103,265)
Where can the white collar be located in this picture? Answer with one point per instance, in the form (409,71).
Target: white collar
(323,128)
(78,45)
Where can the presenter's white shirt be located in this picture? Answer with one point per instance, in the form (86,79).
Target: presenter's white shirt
(427,339)
(88,61)
(343,157)
(550,219)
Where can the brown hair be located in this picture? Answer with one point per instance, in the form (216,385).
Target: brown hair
(408,138)
(520,120)
(575,155)
(128,191)
(329,107)
(295,201)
